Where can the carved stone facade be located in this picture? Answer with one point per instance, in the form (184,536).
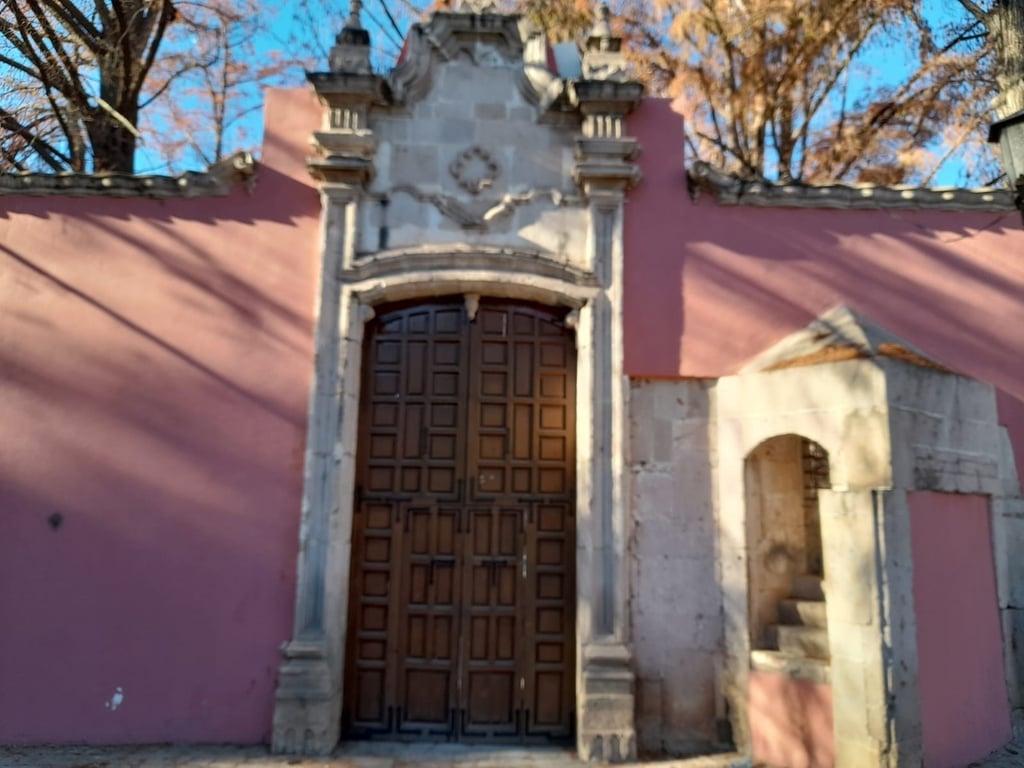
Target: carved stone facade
(472,169)
(475,170)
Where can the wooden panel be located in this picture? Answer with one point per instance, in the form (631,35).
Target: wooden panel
(523,401)
(461,621)
(490,688)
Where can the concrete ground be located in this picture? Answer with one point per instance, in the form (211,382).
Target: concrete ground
(355,755)
(370,755)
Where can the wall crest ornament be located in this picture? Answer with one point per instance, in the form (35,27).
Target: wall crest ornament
(478,6)
(474,169)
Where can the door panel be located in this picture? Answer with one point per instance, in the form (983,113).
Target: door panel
(461,612)
(492,673)
(428,651)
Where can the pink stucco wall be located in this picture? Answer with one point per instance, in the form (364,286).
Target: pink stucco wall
(154,372)
(790,721)
(964,709)
(707,287)
(155,360)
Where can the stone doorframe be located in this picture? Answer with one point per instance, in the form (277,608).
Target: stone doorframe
(308,702)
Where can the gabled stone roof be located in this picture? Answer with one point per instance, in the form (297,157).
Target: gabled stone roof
(218,179)
(840,333)
(729,189)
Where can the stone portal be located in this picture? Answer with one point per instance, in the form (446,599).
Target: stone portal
(472,170)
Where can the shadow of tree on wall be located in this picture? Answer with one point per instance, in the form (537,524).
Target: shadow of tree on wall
(945,282)
(154,378)
(133,327)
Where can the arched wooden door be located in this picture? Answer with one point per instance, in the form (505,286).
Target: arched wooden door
(462,602)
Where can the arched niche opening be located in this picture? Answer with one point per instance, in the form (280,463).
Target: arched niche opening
(786,568)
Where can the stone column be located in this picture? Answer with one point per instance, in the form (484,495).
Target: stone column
(307,709)
(871,628)
(604,171)
(1007,541)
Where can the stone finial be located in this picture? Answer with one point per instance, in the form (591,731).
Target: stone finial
(354,22)
(601,37)
(351,52)
(477,6)
(603,58)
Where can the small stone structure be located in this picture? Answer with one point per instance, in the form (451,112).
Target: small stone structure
(893,423)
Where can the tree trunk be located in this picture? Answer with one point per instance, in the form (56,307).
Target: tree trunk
(113,145)
(1006,25)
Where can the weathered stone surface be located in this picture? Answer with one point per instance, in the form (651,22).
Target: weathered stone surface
(676,608)
(448,182)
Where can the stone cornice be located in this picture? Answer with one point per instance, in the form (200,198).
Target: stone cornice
(728,189)
(441,259)
(449,31)
(605,96)
(335,88)
(341,169)
(217,180)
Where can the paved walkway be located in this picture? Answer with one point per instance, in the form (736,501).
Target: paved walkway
(362,755)
(370,756)
(1010,756)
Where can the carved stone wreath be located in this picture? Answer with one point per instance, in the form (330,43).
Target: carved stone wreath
(474,170)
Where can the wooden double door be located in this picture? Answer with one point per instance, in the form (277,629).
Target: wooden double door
(462,602)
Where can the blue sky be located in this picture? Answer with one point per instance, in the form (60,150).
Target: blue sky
(888,63)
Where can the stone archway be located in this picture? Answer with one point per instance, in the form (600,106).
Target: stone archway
(790,702)
(309,704)
(525,201)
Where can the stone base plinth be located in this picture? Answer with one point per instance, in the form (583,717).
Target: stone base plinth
(606,717)
(307,707)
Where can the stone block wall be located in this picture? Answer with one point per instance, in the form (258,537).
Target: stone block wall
(497,175)
(675,602)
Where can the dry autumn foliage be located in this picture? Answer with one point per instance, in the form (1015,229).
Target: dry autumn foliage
(797,90)
(209,80)
(803,90)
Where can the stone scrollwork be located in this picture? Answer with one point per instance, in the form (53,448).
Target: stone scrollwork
(539,84)
(487,211)
(474,169)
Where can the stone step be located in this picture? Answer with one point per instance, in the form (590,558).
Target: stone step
(800,667)
(811,642)
(808,587)
(805,613)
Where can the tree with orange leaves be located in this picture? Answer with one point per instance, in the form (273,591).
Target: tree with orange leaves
(798,90)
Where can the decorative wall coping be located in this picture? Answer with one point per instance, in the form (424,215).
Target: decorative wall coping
(729,189)
(217,180)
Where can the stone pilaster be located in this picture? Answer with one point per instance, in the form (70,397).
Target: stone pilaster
(604,170)
(307,710)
